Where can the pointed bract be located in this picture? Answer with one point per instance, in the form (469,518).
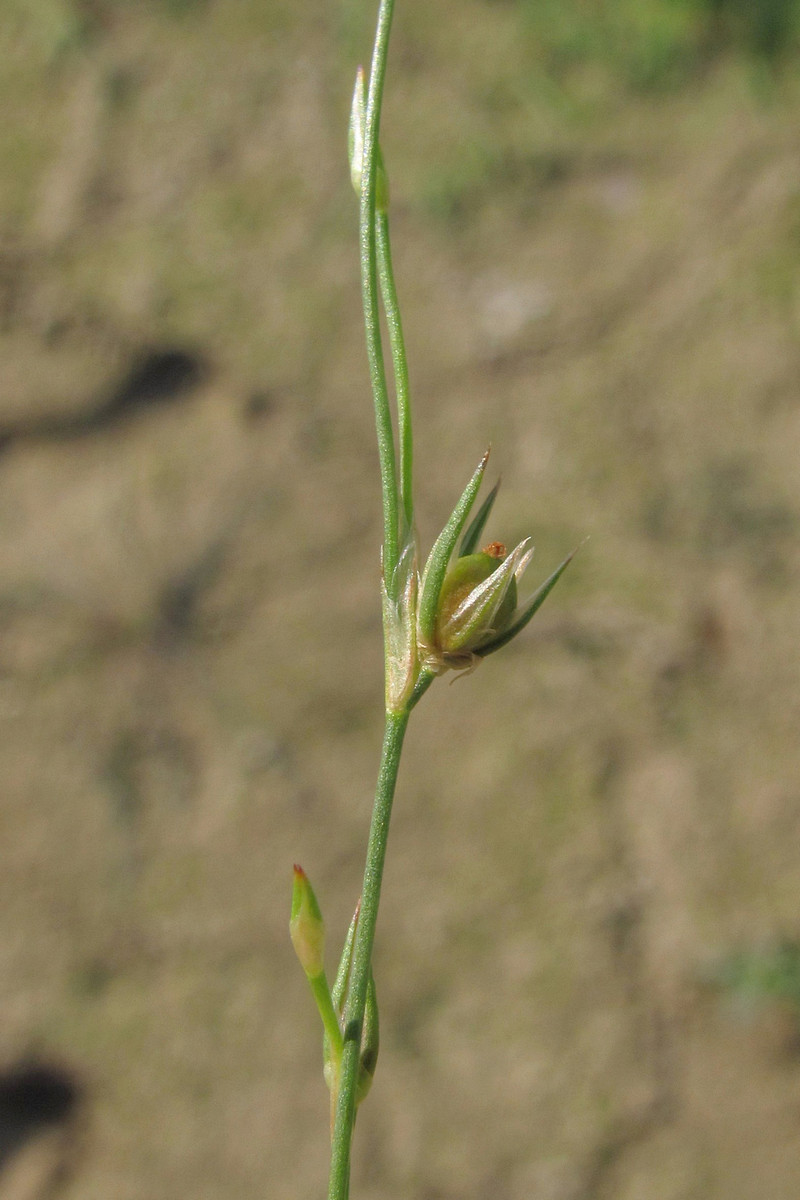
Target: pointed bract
(529,611)
(370,1042)
(331,1059)
(339,989)
(476,527)
(399,630)
(370,1032)
(439,558)
(355,146)
(355,130)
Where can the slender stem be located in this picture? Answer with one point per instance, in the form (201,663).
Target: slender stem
(398,346)
(425,680)
(373,239)
(322,996)
(394,732)
(369,288)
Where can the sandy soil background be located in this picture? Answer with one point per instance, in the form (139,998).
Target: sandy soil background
(587,959)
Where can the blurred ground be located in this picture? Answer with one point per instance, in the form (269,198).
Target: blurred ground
(603,283)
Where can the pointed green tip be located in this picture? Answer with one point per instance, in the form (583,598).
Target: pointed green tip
(299,885)
(343,972)
(475,531)
(530,609)
(306,927)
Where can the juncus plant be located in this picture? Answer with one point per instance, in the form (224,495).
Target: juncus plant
(460,607)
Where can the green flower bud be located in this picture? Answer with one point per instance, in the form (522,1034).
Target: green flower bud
(456,627)
(477,603)
(306,927)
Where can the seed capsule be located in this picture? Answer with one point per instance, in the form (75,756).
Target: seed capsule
(470,615)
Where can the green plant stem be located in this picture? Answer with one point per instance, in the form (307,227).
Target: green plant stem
(394,732)
(373,233)
(369,289)
(398,347)
(425,680)
(322,996)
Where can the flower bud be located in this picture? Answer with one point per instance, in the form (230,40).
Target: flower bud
(476,605)
(306,927)
(468,614)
